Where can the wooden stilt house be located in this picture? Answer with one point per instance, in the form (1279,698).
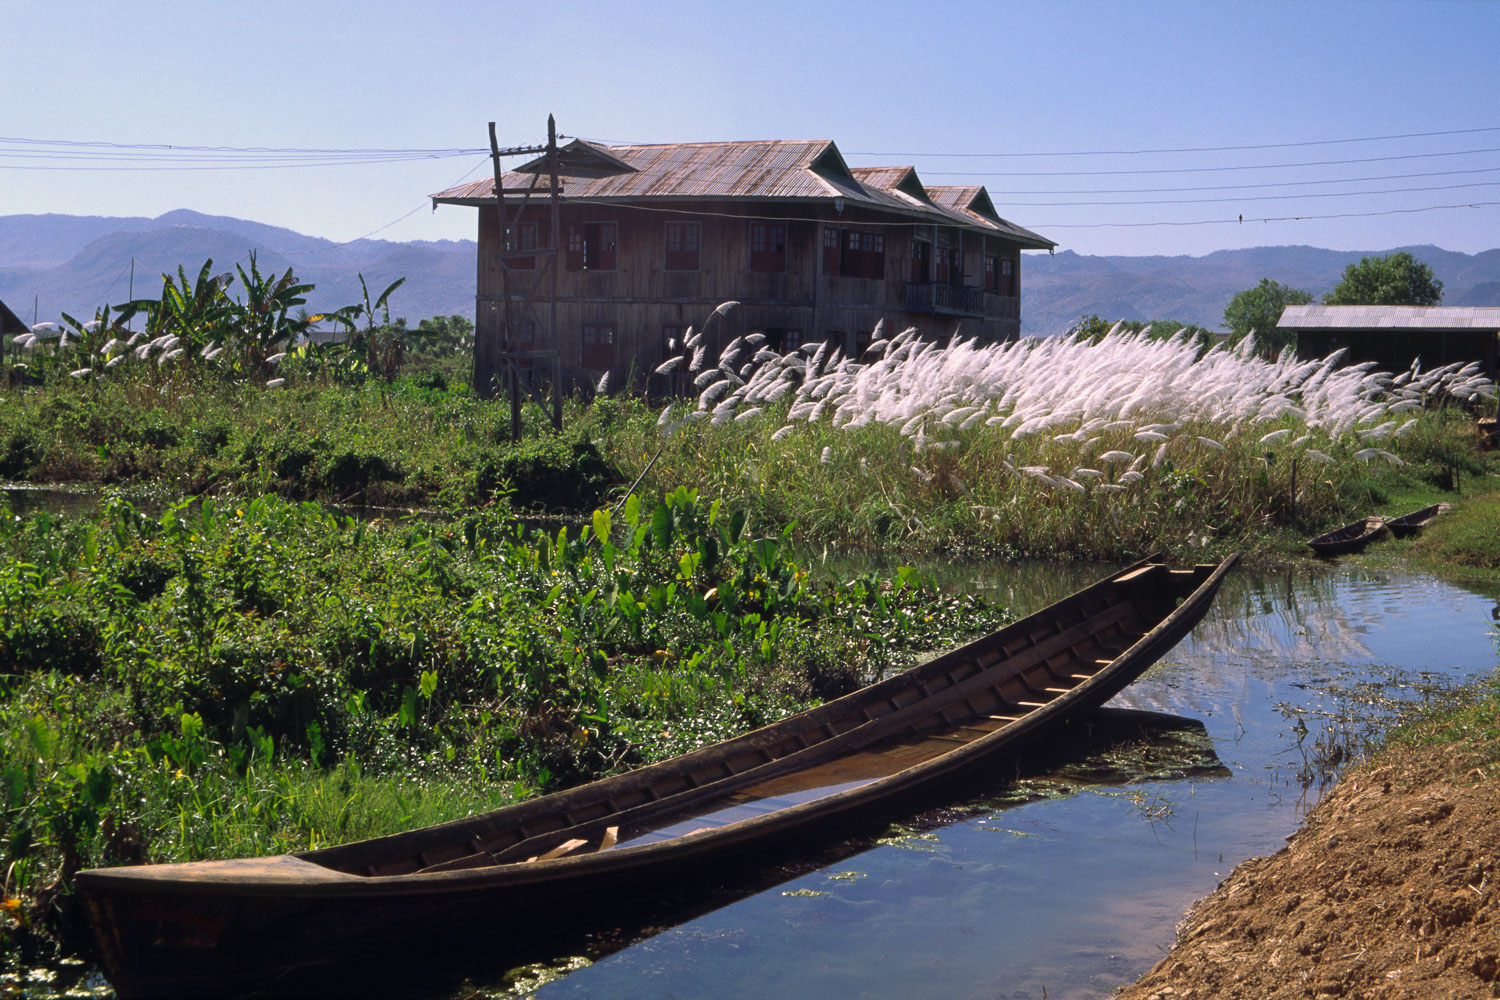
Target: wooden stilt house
(651,238)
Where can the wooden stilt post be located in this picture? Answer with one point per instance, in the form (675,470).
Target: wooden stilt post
(507,328)
(557,257)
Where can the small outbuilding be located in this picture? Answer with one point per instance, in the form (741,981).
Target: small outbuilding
(1395,336)
(11,325)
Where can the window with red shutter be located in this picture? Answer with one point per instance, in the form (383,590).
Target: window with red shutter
(598,349)
(921,261)
(872,255)
(782,340)
(522,237)
(833,240)
(768,247)
(591,247)
(1007,277)
(851,264)
(575,248)
(682,245)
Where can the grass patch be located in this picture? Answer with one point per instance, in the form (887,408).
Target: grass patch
(1469,726)
(1466,540)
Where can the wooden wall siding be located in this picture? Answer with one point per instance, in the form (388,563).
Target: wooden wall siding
(640,297)
(1396,349)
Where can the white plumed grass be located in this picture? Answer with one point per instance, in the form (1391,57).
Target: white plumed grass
(1154,433)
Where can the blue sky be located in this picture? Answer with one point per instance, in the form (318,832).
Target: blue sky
(926,84)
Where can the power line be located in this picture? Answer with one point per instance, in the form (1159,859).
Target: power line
(379,229)
(1204,170)
(1203,149)
(1137,152)
(1273,218)
(1012,192)
(1254,197)
(295,150)
(119,168)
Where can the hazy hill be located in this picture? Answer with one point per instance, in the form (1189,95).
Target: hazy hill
(1057,289)
(76,263)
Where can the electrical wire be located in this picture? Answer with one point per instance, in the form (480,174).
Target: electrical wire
(1136,152)
(1205,149)
(1013,192)
(1206,170)
(1272,218)
(78,143)
(1256,197)
(379,229)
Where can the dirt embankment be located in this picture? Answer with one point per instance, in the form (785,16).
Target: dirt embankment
(1391,890)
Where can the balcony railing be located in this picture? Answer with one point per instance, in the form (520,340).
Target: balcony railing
(949,300)
(1001,307)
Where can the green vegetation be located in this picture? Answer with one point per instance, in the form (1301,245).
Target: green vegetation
(252,672)
(236,679)
(1395,280)
(1469,727)
(1259,309)
(1093,328)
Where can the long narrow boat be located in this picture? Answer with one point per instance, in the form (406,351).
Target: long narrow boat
(227,926)
(1413,523)
(1350,538)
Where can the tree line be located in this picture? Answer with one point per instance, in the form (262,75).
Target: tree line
(1398,279)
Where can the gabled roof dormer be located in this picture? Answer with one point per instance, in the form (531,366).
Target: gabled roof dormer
(829,164)
(580,159)
(981,204)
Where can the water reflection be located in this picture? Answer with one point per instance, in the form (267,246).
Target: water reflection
(1078,893)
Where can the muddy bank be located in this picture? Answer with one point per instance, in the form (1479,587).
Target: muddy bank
(1388,891)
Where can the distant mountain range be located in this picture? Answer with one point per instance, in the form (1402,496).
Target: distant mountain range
(74,264)
(68,263)
(1057,289)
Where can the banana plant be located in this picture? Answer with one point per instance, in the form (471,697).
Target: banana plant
(378,356)
(264,326)
(197,313)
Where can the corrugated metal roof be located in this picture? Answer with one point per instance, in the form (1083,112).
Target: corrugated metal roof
(778,169)
(1318,317)
(964,199)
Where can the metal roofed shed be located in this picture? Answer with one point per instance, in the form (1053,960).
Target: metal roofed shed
(1395,336)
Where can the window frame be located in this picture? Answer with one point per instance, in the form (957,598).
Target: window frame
(525,239)
(596,342)
(601,255)
(684,257)
(833,248)
(768,259)
(921,261)
(862,254)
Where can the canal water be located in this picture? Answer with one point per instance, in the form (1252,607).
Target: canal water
(1072,881)
(1065,882)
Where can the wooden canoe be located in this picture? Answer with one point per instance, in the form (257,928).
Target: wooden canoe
(218,927)
(1411,524)
(1350,538)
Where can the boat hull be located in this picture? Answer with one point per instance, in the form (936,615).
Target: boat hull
(1411,524)
(1350,538)
(270,923)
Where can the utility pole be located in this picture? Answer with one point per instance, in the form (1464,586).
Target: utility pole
(497,352)
(508,311)
(557,253)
